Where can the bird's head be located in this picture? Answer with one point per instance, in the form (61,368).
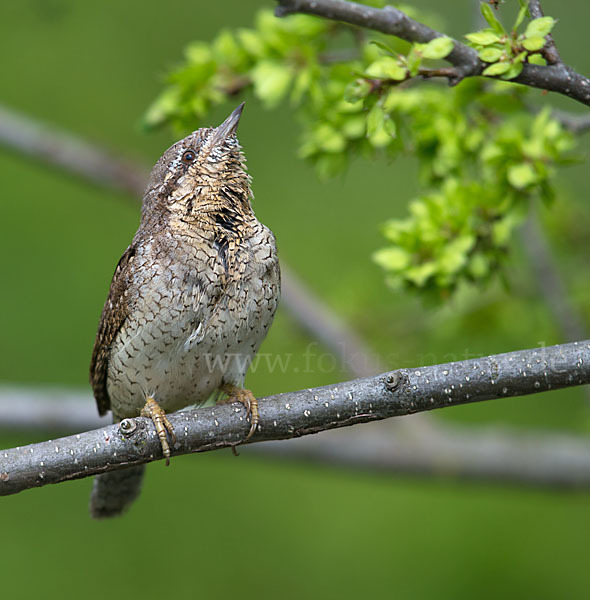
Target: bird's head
(201,175)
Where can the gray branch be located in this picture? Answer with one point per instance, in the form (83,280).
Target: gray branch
(576,123)
(550,281)
(295,414)
(487,454)
(484,454)
(70,153)
(326,327)
(556,77)
(387,20)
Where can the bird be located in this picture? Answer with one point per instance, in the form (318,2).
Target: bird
(190,302)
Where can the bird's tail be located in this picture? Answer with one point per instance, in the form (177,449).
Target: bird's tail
(113,492)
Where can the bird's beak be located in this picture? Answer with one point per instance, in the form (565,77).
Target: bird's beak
(228,127)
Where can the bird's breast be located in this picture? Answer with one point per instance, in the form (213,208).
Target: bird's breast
(200,313)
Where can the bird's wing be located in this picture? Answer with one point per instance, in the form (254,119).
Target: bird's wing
(114,314)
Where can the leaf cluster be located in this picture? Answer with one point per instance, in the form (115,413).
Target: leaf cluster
(483,155)
(508,51)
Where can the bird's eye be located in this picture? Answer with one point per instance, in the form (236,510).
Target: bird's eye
(188,157)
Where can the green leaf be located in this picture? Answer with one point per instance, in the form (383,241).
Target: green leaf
(541,122)
(384,47)
(271,80)
(380,127)
(329,139)
(490,54)
(354,127)
(533,43)
(420,274)
(539,27)
(479,266)
(414,59)
(521,175)
(502,229)
(161,109)
(520,16)
(392,259)
(303,25)
(370,52)
(519,57)
(537,59)
(454,253)
(302,82)
(490,17)
(483,38)
(356,90)
(438,48)
(497,69)
(386,68)
(198,53)
(514,70)
(226,47)
(251,42)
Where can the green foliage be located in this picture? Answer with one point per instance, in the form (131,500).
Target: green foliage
(508,51)
(483,156)
(484,172)
(279,57)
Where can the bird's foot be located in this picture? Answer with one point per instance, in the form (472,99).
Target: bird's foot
(247,398)
(153,411)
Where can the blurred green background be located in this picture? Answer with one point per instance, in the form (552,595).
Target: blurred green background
(213,525)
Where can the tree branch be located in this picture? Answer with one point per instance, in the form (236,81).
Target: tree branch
(326,327)
(294,414)
(387,20)
(70,153)
(556,77)
(489,454)
(576,123)
(550,281)
(496,454)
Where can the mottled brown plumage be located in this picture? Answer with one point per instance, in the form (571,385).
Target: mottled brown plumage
(191,299)
(113,316)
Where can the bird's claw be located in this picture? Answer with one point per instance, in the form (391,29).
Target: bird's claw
(247,398)
(153,411)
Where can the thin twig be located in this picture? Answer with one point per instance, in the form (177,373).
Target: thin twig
(557,77)
(294,414)
(448,72)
